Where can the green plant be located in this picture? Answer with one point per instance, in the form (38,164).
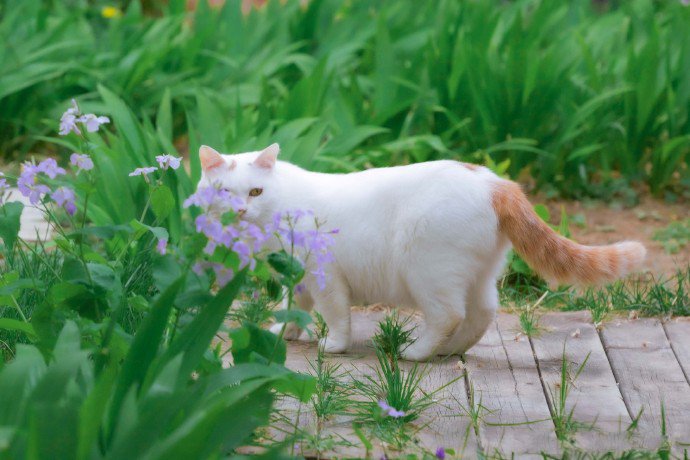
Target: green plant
(393,335)
(528,316)
(562,415)
(650,297)
(561,90)
(675,236)
(142,401)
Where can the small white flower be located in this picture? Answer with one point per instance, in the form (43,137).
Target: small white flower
(92,122)
(168,161)
(143,171)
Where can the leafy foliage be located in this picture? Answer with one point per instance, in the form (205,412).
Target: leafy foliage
(573,94)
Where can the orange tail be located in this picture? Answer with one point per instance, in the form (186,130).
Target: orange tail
(555,258)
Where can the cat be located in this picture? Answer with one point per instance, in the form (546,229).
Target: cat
(429,236)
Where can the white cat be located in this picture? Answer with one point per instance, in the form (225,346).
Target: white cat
(430,236)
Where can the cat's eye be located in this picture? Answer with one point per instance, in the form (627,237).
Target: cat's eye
(255,191)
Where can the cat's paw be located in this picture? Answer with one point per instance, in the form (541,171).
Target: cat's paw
(334,345)
(292,331)
(416,353)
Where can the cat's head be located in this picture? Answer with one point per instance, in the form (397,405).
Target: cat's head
(249,176)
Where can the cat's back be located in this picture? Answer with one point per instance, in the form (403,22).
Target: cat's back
(438,170)
(442,176)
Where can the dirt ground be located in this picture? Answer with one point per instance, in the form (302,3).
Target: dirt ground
(604,224)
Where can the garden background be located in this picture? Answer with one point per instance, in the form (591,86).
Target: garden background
(585,103)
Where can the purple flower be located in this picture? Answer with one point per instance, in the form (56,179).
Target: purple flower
(143,171)
(198,268)
(64,197)
(26,183)
(92,122)
(3,186)
(72,116)
(223,274)
(209,226)
(162,246)
(390,411)
(68,121)
(82,161)
(168,161)
(244,252)
(50,168)
(314,243)
(210,197)
(441,453)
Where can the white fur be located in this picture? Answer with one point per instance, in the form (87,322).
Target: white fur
(423,236)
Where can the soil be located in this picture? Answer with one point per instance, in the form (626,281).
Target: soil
(604,224)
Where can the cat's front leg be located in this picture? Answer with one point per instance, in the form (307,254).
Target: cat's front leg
(334,306)
(304,301)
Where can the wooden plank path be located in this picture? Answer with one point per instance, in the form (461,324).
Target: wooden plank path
(650,375)
(513,383)
(33,223)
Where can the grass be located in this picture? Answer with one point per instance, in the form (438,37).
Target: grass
(646,296)
(562,413)
(393,335)
(675,237)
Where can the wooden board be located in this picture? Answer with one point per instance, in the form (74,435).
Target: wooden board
(444,424)
(631,364)
(504,376)
(649,373)
(678,334)
(595,399)
(33,222)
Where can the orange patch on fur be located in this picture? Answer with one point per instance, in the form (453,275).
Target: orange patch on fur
(470,166)
(553,256)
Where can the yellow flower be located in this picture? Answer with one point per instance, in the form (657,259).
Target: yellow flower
(110,12)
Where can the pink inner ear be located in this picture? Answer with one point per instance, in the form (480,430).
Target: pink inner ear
(210,159)
(265,161)
(267,158)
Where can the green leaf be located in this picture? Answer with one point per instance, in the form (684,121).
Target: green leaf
(196,337)
(297,316)
(162,201)
(263,346)
(10,215)
(92,412)
(166,270)
(143,349)
(543,212)
(11,285)
(288,266)
(64,292)
(10,324)
(159,232)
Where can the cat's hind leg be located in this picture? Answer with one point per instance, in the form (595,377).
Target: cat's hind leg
(305,302)
(482,304)
(444,311)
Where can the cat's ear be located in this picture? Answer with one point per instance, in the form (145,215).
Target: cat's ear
(267,157)
(209,158)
